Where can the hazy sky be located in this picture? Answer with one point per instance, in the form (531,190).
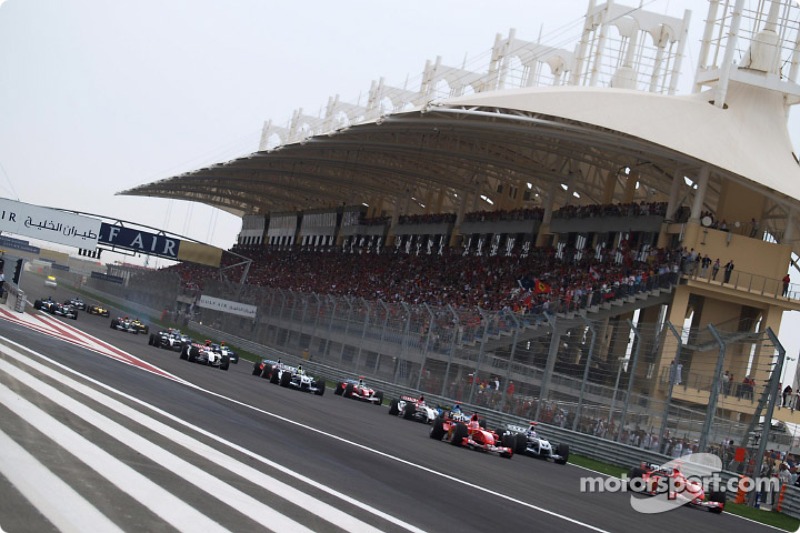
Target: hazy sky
(99,96)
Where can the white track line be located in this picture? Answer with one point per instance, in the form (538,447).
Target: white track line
(57,501)
(170,508)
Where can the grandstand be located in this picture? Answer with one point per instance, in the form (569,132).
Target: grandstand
(544,223)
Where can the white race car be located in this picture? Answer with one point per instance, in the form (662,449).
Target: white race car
(529,442)
(124,324)
(296,378)
(205,355)
(412,408)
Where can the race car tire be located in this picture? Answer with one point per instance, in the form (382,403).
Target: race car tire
(482,423)
(37,304)
(393,409)
(75,316)
(437,429)
(274,375)
(151,340)
(146,330)
(265,372)
(339,390)
(509,440)
(225,363)
(348,390)
(193,353)
(717,496)
(286,379)
(562,450)
(521,444)
(460,432)
(184,354)
(320,384)
(410,411)
(379,396)
(634,473)
(257,371)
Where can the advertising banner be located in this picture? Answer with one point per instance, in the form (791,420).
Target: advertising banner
(49,225)
(227,306)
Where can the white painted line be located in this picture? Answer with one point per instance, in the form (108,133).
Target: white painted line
(68,511)
(216,488)
(170,508)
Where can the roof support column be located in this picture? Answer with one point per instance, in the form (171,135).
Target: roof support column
(700,194)
(462,208)
(730,49)
(544,228)
(630,187)
(675,187)
(788,233)
(608,190)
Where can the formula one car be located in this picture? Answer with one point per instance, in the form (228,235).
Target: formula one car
(169,339)
(77,303)
(50,281)
(98,310)
(528,442)
(294,377)
(264,368)
(124,324)
(203,354)
(67,311)
(224,350)
(654,479)
(357,390)
(45,305)
(412,408)
(470,435)
(140,326)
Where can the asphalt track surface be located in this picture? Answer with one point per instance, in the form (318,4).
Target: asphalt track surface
(341,456)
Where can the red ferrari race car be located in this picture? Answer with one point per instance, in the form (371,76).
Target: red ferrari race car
(470,435)
(669,480)
(357,390)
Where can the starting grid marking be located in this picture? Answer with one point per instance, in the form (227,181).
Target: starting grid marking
(53,327)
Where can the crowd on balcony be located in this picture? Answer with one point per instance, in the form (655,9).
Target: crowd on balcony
(505,215)
(427,218)
(632,209)
(533,284)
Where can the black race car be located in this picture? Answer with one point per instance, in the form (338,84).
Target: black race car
(45,304)
(48,305)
